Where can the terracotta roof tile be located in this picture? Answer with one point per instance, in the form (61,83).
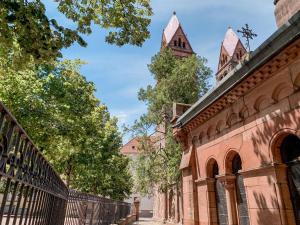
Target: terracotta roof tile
(230,41)
(171,28)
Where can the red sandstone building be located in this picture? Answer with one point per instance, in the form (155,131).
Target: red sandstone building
(241,143)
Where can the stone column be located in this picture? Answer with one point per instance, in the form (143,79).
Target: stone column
(281,189)
(212,205)
(229,183)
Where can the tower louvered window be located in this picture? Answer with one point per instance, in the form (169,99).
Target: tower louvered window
(179,42)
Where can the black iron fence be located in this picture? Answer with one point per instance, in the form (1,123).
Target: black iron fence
(32,193)
(30,190)
(92,210)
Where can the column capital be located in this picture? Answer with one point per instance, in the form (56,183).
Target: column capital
(227,180)
(205,181)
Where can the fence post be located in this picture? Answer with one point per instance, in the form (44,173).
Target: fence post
(136,209)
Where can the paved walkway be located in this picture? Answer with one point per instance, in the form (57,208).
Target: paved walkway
(147,221)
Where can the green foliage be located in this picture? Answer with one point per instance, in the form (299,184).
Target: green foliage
(25,23)
(54,103)
(181,80)
(157,167)
(178,80)
(58,109)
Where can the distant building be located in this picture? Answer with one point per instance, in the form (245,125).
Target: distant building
(232,53)
(146,203)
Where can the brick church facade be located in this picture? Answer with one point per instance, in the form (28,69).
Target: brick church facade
(241,141)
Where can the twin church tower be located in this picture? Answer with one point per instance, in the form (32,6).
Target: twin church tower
(231,53)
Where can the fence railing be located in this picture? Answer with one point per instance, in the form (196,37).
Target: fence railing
(92,210)
(32,193)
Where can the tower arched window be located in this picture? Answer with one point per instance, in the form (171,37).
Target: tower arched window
(224,59)
(179,42)
(183,44)
(175,43)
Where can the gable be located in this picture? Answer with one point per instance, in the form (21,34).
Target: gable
(171,28)
(239,51)
(180,43)
(223,58)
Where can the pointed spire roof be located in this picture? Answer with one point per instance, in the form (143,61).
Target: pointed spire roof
(171,28)
(230,41)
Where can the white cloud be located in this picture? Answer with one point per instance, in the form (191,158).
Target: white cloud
(165,7)
(127,116)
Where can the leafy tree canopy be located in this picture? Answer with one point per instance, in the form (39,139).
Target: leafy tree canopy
(24,23)
(58,109)
(181,80)
(54,103)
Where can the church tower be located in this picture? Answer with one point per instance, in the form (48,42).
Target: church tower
(231,53)
(285,9)
(175,38)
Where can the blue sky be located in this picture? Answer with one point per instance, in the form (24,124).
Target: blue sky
(119,72)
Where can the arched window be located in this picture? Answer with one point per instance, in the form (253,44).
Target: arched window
(175,43)
(242,206)
(183,44)
(179,42)
(290,154)
(217,196)
(220,199)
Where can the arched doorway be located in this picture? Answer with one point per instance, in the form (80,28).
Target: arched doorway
(290,155)
(241,198)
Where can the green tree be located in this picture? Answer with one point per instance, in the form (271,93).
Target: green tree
(181,80)
(58,109)
(55,104)
(25,23)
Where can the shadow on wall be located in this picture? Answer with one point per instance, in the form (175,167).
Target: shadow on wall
(272,126)
(265,215)
(275,127)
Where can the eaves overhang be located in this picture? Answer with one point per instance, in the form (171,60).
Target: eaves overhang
(285,35)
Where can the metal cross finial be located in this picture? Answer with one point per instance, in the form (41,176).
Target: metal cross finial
(248,34)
